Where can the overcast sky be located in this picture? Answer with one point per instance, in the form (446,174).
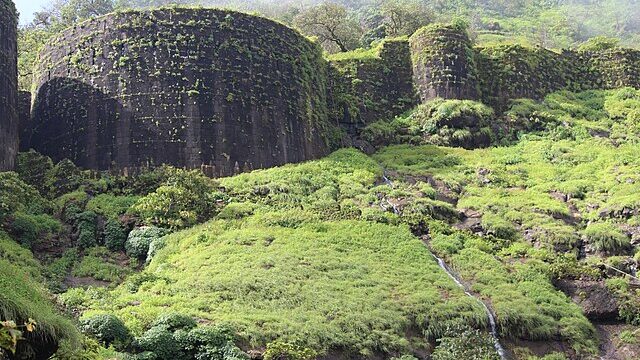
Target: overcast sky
(26,8)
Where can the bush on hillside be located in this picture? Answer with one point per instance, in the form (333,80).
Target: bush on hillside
(28,228)
(16,195)
(108,329)
(185,199)
(87,229)
(459,123)
(65,177)
(278,350)
(465,343)
(174,321)
(35,170)
(139,239)
(115,235)
(175,336)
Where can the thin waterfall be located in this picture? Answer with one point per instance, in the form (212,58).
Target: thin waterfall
(492,320)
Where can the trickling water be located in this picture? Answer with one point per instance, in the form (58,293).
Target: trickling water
(386,179)
(492,320)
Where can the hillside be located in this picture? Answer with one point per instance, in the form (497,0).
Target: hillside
(327,256)
(208,184)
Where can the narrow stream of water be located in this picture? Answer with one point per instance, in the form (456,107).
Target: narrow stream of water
(443,265)
(492,319)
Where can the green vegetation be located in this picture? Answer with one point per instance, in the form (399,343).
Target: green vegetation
(140,239)
(530,188)
(301,271)
(606,237)
(98,264)
(22,296)
(108,329)
(457,123)
(185,199)
(461,343)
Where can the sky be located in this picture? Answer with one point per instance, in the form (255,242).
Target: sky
(27,8)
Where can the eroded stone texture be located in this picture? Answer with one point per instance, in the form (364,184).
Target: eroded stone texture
(443,63)
(367,89)
(24,120)
(186,87)
(8,85)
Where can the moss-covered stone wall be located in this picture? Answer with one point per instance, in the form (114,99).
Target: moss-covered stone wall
(24,120)
(370,86)
(444,63)
(188,87)
(512,71)
(8,85)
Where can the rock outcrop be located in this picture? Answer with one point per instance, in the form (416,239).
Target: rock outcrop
(8,85)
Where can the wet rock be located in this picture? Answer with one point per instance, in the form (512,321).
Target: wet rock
(595,299)
(364,146)
(483,175)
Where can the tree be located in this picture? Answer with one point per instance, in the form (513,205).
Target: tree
(599,43)
(332,25)
(404,17)
(76,10)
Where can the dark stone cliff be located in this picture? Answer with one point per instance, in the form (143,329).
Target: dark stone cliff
(8,85)
(186,87)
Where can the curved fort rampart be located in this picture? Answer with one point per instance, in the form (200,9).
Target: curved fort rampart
(8,85)
(233,92)
(186,87)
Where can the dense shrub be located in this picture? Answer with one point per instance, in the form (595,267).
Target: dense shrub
(160,342)
(111,206)
(35,169)
(174,321)
(115,235)
(176,337)
(87,229)
(186,198)
(139,239)
(461,123)
(285,351)
(16,195)
(65,177)
(465,343)
(28,228)
(108,329)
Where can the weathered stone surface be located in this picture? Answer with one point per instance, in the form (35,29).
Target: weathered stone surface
(186,87)
(363,90)
(8,85)
(446,65)
(595,299)
(443,63)
(24,119)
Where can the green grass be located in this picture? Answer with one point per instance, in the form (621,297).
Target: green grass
(111,206)
(22,295)
(99,264)
(328,285)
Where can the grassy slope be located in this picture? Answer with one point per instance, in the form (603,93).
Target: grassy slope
(305,252)
(352,285)
(22,295)
(516,189)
